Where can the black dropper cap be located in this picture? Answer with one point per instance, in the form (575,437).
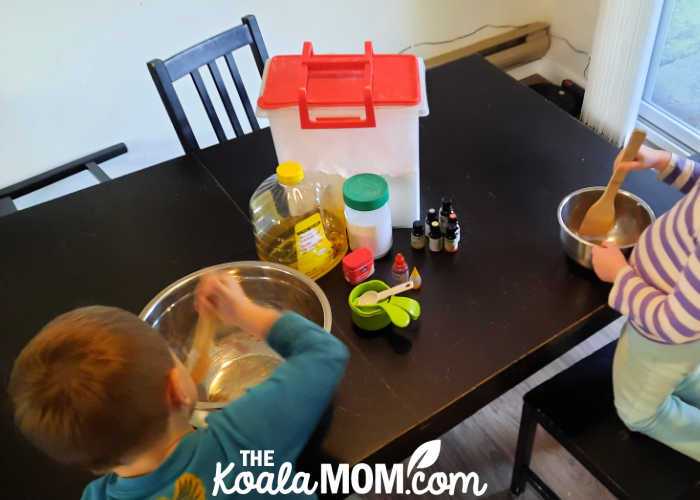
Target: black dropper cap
(446,203)
(418,228)
(432,215)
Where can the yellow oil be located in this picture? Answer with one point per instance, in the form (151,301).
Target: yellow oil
(278,244)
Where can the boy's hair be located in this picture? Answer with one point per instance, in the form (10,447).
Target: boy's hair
(91,388)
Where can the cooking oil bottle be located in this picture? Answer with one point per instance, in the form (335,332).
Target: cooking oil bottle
(299,222)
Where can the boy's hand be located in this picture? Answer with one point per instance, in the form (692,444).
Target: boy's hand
(645,159)
(608,261)
(221,295)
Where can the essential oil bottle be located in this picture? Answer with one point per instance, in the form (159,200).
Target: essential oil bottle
(446,209)
(432,216)
(451,241)
(435,237)
(453,218)
(418,235)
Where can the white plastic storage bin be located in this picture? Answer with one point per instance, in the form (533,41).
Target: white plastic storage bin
(350,114)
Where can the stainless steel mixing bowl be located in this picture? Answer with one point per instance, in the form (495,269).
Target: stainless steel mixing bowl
(238,359)
(632,216)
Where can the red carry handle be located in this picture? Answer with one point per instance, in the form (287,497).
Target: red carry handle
(310,62)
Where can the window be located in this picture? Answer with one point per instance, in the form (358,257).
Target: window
(670,108)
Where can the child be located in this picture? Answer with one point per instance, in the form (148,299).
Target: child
(100,389)
(656,372)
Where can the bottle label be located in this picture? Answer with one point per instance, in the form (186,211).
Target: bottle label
(314,251)
(435,244)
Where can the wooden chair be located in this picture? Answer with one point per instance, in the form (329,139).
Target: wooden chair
(576,408)
(88,162)
(164,73)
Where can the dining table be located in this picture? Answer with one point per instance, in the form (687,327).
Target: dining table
(508,302)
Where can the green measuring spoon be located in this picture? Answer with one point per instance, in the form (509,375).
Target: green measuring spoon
(411,306)
(398,316)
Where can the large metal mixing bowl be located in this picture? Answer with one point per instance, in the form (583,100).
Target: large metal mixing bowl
(239,360)
(632,216)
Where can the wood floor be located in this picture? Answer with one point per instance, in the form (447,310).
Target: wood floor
(485,442)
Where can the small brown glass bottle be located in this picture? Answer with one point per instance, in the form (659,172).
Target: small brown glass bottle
(418,235)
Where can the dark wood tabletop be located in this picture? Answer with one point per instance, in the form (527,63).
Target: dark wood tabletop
(506,304)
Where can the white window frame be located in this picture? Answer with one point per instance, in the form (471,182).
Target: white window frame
(663,129)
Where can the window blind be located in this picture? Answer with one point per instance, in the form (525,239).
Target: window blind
(622,47)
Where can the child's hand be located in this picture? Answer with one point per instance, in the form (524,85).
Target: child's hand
(645,159)
(608,261)
(220,295)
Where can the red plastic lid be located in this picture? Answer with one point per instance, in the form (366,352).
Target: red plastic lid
(329,80)
(358,258)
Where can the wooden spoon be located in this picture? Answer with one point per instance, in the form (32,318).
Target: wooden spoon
(198,361)
(600,218)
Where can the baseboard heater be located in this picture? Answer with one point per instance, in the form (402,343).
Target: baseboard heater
(513,48)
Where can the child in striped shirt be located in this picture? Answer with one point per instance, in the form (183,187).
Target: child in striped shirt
(656,372)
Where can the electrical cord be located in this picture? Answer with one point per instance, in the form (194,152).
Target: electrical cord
(484,26)
(466,35)
(578,51)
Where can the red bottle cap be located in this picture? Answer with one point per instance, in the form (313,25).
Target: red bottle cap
(400,265)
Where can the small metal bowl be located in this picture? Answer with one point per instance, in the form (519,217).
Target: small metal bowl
(632,216)
(238,359)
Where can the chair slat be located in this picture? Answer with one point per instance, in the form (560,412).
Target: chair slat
(223,93)
(238,81)
(197,56)
(7,206)
(95,170)
(208,106)
(258,46)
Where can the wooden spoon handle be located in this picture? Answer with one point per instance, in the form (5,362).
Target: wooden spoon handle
(394,290)
(203,337)
(618,177)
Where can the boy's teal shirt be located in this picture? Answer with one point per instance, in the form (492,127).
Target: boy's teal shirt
(279,414)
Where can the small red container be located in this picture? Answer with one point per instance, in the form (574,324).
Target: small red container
(358,265)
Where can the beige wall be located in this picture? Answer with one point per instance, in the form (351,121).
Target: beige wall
(75,78)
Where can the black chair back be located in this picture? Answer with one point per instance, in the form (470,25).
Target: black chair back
(164,73)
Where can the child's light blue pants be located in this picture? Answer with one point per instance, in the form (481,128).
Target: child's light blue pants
(657,390)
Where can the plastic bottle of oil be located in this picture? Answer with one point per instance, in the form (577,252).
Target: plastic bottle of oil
(298,221)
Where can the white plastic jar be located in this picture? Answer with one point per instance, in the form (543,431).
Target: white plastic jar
(367,213)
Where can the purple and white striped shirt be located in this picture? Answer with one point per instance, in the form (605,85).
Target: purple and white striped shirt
(660,289)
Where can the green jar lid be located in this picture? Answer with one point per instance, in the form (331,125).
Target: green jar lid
(365,192)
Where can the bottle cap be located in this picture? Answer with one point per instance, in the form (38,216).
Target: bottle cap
(290,173)
(365,192)
(453,216)
(416,278)
(418,228)
(446,202)
(399,264)
(435,229)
